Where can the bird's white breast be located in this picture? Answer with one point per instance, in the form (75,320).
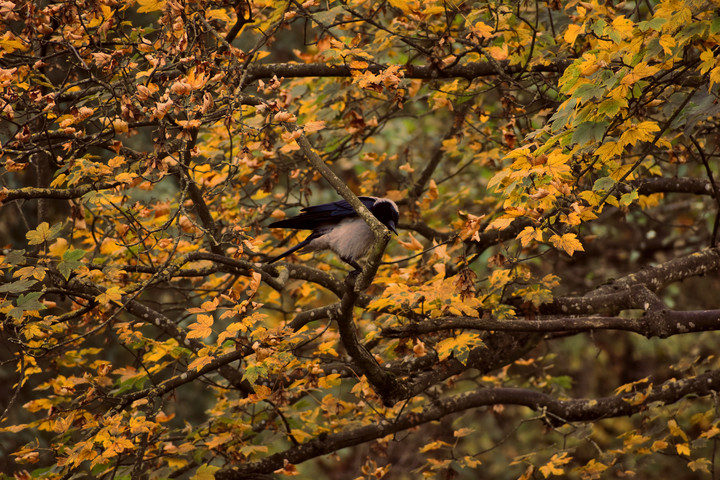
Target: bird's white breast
(350,239)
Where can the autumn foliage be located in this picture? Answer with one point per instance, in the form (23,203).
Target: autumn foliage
(549,308)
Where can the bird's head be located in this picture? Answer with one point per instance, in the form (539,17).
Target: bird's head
(387,212)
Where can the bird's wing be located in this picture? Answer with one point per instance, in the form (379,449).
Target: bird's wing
(297,247)
(318,215)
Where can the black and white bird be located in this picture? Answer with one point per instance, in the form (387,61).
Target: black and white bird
(337,226)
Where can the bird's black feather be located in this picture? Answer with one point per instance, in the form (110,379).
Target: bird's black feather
(316,216)
(337,226)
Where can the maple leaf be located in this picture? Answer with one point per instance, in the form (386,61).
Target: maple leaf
(642,132)
(701,464)
(405,5)
(553,466)
(201,328)
(150,5)
(413,244)
(200,362)
(112,294)
(314,126)
(572,32)
(42,233)
(682,449)
(567,242)
(529,234)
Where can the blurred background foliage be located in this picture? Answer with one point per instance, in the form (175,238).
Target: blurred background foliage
(539,152)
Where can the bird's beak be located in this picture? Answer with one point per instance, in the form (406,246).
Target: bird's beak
(391,226)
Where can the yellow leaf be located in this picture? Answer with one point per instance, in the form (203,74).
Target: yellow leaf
(499,53)
(205,472)
(593,468)
(640,71)
(572,32)
(623,26)
(683,449)
(711,432)
(667,42)
(642,132)
(500,277)
(413,244)
(150,5)
(500,223)
(701,464)
(9,43)
(359,65)
(201,328)
(482,30)
(107,13)
(314,126)
(568,242)
(112,294)
(552,467)
(403,5)
(35,271)
(714,76)
(556,165)
(437,444)
(200,362)
(608,150)
(528,235)
(676,431)
(463,432)
(658,445)
(329,381)
(126,177)
(39,235)
(109,246)
(218,14)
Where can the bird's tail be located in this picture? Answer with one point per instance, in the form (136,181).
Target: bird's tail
(289,251)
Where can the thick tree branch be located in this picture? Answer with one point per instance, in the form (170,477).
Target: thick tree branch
(663,324)
(556,411)
(382,381)
(648,186)
(28,193)
(428,72)
(619,295)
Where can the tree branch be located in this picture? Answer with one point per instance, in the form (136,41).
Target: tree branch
(663,325)
(556,411)
(428,72)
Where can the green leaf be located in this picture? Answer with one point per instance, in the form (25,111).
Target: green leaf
(326,17)
(13,258)
(628,198)
(715,26)
(205,472)
(611,106)
(26,302)
(17,286)
(253,372)
(603,184)
(70,262)
(560,118)
(588,91)
(589,132)
(563,381)
(654,24)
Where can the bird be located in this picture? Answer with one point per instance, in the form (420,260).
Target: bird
(337,227)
